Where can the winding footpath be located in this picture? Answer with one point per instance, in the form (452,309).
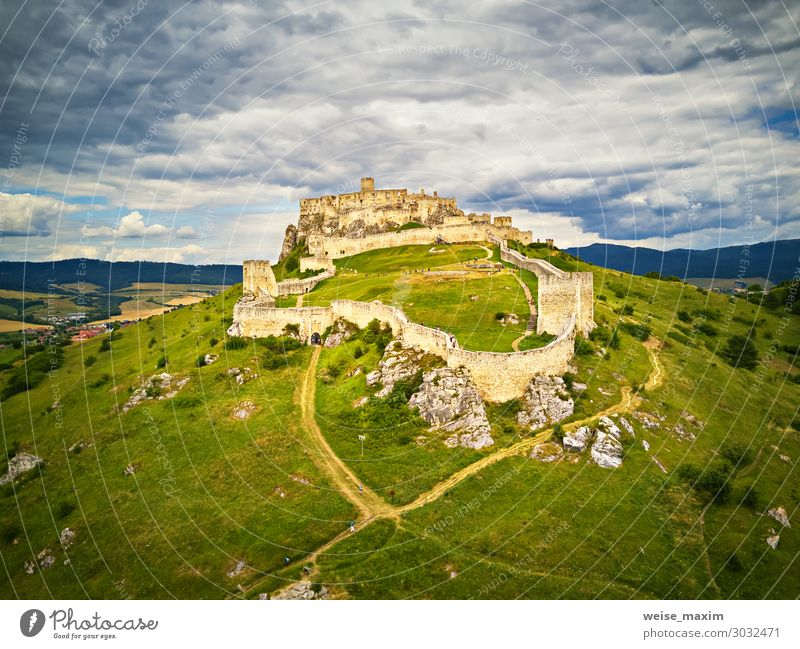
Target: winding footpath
(372,507)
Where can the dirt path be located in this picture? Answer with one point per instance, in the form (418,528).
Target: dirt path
(369,504)
(299,301)
(372,508)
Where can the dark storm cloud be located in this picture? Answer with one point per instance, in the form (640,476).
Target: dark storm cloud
(591,110)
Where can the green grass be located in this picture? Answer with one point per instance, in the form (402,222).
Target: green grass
(518,528)
(206,491)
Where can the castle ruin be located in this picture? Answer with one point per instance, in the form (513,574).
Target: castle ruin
(338,226)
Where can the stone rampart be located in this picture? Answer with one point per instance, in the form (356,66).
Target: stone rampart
(337,247)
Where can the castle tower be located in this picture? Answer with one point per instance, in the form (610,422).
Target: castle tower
(367,184)
(258,278)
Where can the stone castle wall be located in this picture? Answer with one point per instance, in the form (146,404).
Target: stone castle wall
(258,278)
(299,286)
(337,247)
(500,377)
(560,295)
(497,376)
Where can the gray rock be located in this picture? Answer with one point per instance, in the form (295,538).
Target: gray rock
(546,400)
(449,401)
(577,440)
(607,450)
(579,387)
(779,514)
(19,464)
(157,387)
(303,590)
(772,541)
(243,410)
(627,426)
(67,537)
(645,445)
(210,359)
(607,425)
(129,470)
(398,363)
(340,332)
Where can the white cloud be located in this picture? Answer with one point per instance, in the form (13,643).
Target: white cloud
(189,253)
(29,215)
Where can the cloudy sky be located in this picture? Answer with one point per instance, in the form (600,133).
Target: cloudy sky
(136,129)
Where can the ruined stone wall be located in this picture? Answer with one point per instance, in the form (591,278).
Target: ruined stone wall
(255,321)
(299,286)
(316,263)
(560,294)
(337,247)
(500,377)
(258,278)
(497,376)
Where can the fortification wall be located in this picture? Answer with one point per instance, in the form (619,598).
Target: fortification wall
(258,277)
(500,377)
(361,313)
(560,294)
(337,247)
(316,263)
(299,286)
(255,321)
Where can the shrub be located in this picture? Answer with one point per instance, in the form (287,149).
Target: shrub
(602,298)
(684,316)
(358,352)
(639,331)
(152,342)
(499,315)
(749,496)
(213,342)
(10,532)
(582,346)
(740,351)
(235,342)
(89,361)
(707,329)
(291,329)
(558,432)
(105,345)
(161,362)
(201,360)
(738,454)
(627,309)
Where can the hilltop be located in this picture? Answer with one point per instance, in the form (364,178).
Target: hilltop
(202,487)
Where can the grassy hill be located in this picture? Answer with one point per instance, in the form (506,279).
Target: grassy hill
(209,491)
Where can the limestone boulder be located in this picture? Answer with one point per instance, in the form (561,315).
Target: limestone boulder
(340,332)
(449,401)
(607,450)
(577,440)
(608,426)
(18,465)
(157,387)
(779,514)
(546,401)
(399,363)
(303,590)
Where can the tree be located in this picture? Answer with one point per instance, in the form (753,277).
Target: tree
(755,288)
(740,351)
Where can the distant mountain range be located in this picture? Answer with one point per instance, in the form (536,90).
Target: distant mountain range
(38,276)
(775,261)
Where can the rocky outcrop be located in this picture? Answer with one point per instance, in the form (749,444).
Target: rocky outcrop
(241,375)
(339,333)
(546,400)
(577,440)
(243,410)
(210,359)
(449,401)
(303,590)
(289,241)
(398,364)
(773,539)
(547,452)
(607,449)
(159,387)
(67,537)
(779,514)
(18,465)
(627,426)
